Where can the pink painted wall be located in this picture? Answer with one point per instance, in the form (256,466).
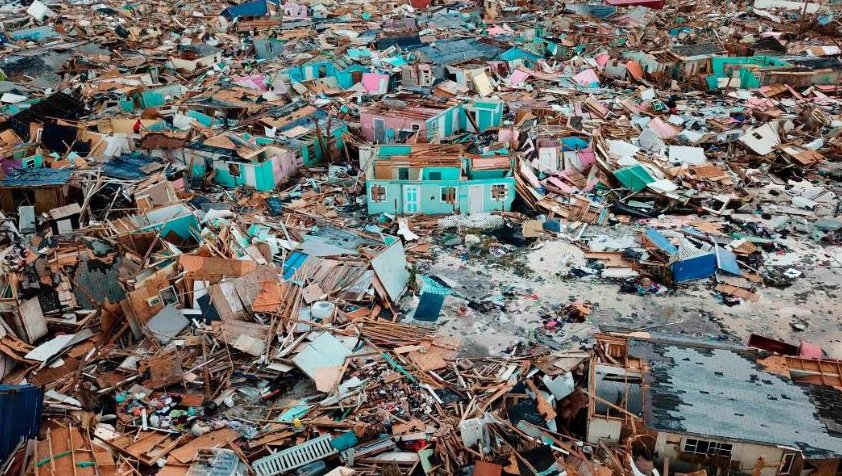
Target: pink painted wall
(393,122)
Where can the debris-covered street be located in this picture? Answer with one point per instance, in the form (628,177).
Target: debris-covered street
(420,237)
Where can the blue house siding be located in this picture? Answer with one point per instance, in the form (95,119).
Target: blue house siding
(430,195)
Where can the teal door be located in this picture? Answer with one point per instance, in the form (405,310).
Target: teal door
(410,198)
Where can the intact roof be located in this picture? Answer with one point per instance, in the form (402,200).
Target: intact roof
(723,394)
(36,177)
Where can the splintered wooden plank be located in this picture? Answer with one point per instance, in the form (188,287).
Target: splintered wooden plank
(60,443)
(82,454)
(146,444)
(215,439)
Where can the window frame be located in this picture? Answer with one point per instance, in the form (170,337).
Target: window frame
(711,448)
(371,194)
(235,166)
(505,192)
(786,466)
(443,197)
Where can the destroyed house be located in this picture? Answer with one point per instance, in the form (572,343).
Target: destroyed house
(713,406)
(436,179)
(695,59)
(307,130)
(396,120)
(346,75)
(262,167)
(443,53)
(56,106)
(806,71)
(44,188)
(193,57)
(746,72)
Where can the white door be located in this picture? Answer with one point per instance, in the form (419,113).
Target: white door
(476,194)
(251,178)
(547,160)
(442,126)
(410,198)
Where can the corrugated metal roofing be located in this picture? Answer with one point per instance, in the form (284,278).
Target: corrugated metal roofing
(20,415)
(36,177)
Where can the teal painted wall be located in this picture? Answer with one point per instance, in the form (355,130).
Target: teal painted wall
(181,226)
(429,200)
(264,178)
(489,114)
(447,173)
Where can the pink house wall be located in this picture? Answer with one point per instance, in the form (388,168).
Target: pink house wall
(294,10)
(394,122)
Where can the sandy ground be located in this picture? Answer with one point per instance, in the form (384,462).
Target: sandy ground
(530,282)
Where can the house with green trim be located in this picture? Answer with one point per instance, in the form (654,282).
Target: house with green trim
(435,179)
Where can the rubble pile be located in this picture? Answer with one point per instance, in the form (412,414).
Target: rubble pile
(315,237)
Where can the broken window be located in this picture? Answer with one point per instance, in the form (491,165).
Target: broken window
(448,195)
(234,170)
(403,173)
(432,128)
(499,192)
(786,463)
(378,193)
(704,447)
(435,175)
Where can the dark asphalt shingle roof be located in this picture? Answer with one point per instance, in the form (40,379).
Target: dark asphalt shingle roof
(723,394)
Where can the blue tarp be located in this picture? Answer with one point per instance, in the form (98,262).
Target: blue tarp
(257,8)
(36,177)
(126,167)
(661,241)
(727,261)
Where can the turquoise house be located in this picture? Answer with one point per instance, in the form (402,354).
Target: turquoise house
(319,68)
(741,71)
(263,168)
(435,179)
(313,145)
(486,114)
(383,123)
